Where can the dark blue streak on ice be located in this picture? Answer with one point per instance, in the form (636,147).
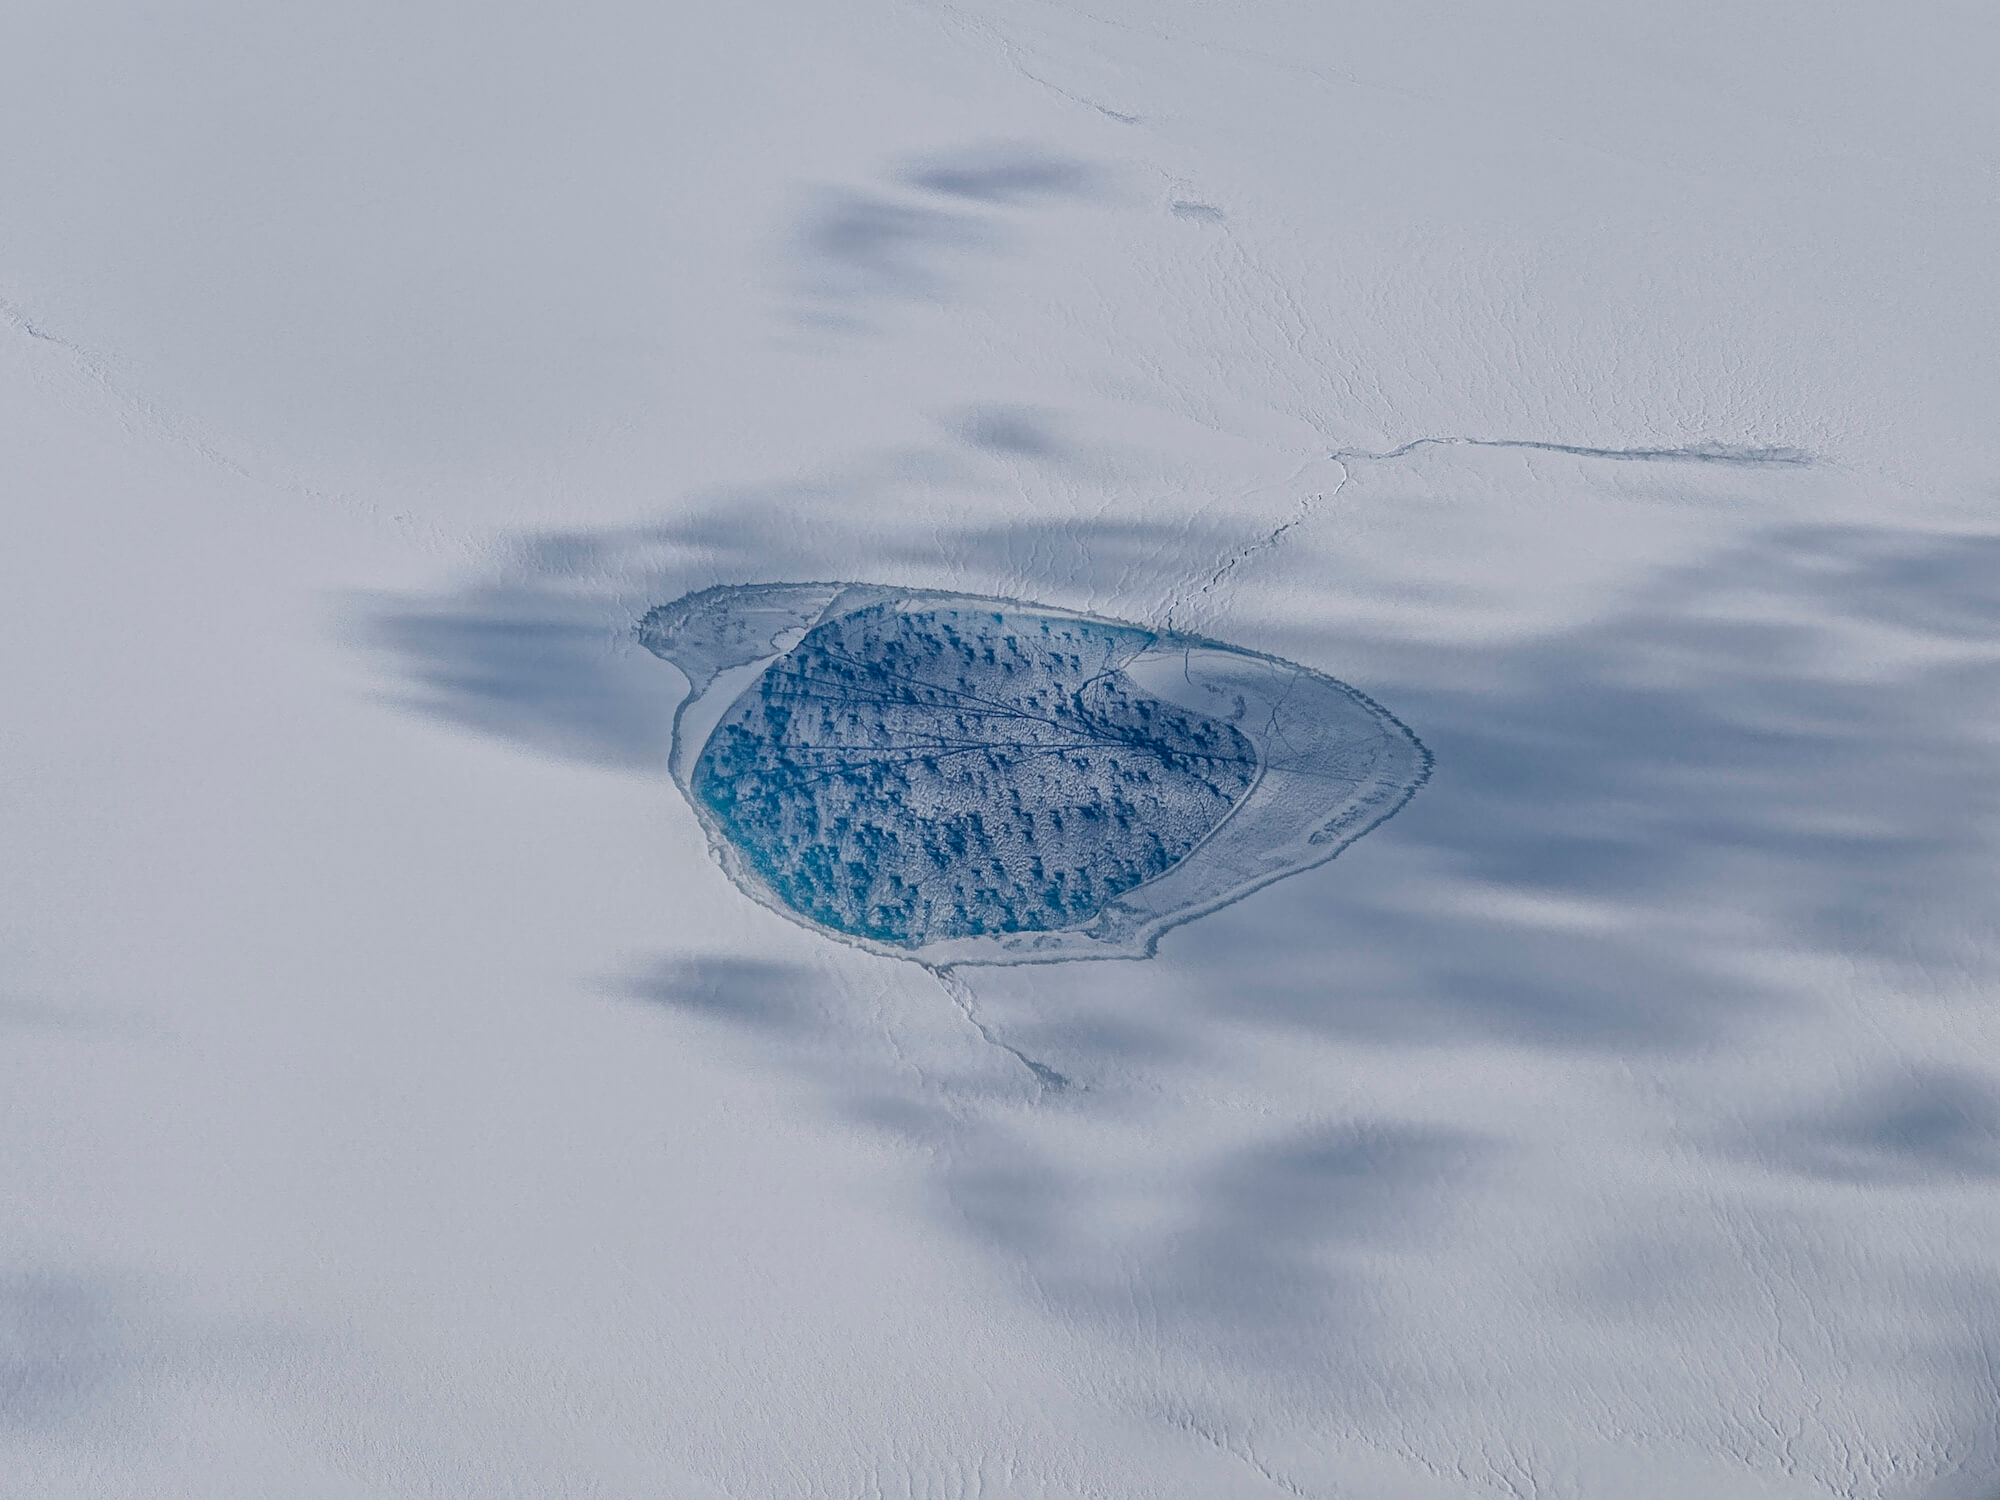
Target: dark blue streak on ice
(910,777)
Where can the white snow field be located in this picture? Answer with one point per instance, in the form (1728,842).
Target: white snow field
(401,1100)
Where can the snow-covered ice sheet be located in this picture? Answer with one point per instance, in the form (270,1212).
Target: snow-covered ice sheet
(401,1099)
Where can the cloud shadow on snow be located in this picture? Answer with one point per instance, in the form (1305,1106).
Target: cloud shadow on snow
(64,1350)
(764,995)
(1717,757)
(862,245)
(532,664)
(1003,174)
(1928,1124)
(1283,1239)
(853,247)
(1678,757)
(1013,432)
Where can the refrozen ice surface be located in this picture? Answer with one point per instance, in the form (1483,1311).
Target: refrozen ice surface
(967,780)
(399,1100)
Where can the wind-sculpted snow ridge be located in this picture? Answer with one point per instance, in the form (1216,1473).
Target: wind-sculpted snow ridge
(966,780)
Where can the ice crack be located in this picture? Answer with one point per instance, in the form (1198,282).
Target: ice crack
(1695,453)
(961,996)
(1736,455)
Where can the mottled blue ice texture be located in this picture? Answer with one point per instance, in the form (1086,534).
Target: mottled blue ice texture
(948,773)
(966,779)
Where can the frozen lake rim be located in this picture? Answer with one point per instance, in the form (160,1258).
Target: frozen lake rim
(1330,764)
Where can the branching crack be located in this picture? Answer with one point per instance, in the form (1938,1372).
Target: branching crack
(1242,1455)
(1695,453)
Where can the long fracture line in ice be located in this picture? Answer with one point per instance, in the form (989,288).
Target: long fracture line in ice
(1697,453)
(961,996)
(143,413)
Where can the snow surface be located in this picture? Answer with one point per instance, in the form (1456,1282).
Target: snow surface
(400,1101)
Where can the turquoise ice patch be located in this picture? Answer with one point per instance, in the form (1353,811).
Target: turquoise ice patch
(974,780)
